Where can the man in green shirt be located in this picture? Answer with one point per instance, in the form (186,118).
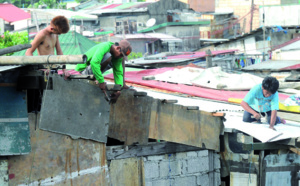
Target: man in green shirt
(105,56)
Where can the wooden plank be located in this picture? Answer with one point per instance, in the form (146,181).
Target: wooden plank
(59,160)
(128,171)
(148,150)
(129,118)
(264,146)
(174,123)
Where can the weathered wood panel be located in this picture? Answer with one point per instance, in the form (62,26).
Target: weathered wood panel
(127,172)
(59,160)
(76,108)
(129,118)
(175,123)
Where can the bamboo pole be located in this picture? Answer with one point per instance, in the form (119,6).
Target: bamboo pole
(15,48)
(42,60)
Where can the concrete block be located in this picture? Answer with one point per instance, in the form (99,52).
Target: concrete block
(151,169)
(181,155)
(198,165)
(165,166)
(163,182)
(156,158)
(217,178)
(202,153)
(191,154)
(184,167)
(203,180)
(148,183)
(217,162)
(189,181)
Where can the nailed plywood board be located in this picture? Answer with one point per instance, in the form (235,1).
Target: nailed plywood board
(129,118)
(237,179)
(59,160)
(14,128)
(76,108)
(128,171)
(175,123)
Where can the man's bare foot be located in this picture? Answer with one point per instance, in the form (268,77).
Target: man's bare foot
(282,121)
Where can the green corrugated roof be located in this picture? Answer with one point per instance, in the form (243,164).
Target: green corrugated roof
(174,24)
(103,33)
(71,43)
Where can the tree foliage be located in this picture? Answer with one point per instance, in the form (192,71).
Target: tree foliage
(134,55)
(11,39)
(36,3)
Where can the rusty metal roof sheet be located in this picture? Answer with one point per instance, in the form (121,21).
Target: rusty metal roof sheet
(274,66)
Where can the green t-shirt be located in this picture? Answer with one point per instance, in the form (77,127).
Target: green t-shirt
(94,57)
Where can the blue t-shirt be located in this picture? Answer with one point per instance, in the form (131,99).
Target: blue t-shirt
(258,102)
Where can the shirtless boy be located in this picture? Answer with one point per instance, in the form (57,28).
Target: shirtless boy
(47,39)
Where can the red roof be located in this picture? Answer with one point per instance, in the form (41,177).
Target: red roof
(11,13)
(286,43)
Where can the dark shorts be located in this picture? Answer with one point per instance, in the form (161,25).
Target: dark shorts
(247,117)
(88,69)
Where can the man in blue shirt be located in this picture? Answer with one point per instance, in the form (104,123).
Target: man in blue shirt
(261,99)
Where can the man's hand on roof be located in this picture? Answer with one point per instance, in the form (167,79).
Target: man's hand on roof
(272,127)
(114,96)
(102,86)
(257,116)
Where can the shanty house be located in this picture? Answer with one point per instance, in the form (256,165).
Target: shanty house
(12,18)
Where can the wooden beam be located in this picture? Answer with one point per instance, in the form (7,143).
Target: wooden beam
(264,146)
(119,152)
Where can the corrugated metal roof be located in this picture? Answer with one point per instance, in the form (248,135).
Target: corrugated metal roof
(273,65)
(71,43)
(111,6)
(174,24)
(286,43)
(11,13)
(151,36)
(67,13)
(123,7)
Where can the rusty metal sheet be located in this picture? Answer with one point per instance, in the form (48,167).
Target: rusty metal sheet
(175,123)
(76,108)
(129,118)
(57,159)
(128,171)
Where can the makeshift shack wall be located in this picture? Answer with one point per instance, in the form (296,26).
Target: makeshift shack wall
(192,168)
(59,160)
